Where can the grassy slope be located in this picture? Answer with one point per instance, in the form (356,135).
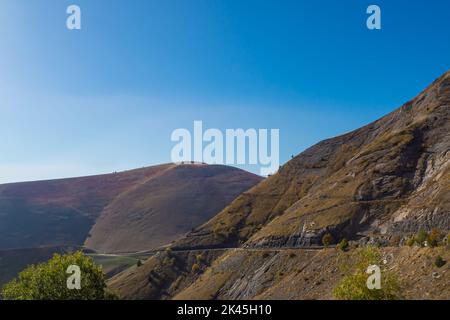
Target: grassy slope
(389,176)
(133,206)
(16,260)
(59,212)
(167,206)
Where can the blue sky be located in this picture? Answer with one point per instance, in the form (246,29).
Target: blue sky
(107,97)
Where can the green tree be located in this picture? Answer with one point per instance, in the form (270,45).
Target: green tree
(195,268)
(327,239)
(354,285)
(434,238)
(439,262)
(48,281)
(343,245)
(421,237)
(411,241)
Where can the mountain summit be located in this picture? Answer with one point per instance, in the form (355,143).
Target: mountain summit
(131,210)
(380,183)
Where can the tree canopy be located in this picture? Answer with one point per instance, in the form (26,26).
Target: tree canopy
(48,281)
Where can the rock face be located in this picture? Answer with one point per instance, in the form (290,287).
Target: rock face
(388,179)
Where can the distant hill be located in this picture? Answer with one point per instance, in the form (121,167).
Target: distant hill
(62,212)
(167,206)
(379,184)
(15,260)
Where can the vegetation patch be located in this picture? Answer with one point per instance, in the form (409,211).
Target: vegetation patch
(354,286)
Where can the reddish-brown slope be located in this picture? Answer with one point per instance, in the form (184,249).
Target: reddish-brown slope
(167,206)
(60,212)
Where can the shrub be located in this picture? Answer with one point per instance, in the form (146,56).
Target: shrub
(434,238)
(411,241)
(292,255)
(200,258)
(48,281)
(395,241)
(327,239)
(343,245)
(439,262)
(195,268)
(354,285)
(139,263)
(421,237)
(168,251)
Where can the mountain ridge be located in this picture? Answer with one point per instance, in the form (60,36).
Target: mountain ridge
(62,212)
(386,180)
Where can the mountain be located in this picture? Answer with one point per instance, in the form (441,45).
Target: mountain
(59,212)
(379,184)
(167,206)
(63,212)
(15,260)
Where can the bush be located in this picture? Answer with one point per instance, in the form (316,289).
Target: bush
(434,238)
(421,238)
(411,241)
(168,251)
(343,245)
(327,239)
(195,268)
(200,258)
(395,241)
(354,286)
(139,263)
(48,281)
(439,262)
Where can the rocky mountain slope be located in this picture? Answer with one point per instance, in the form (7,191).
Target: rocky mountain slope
(128,205)
(388,179)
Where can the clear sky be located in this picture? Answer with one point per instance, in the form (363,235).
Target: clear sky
(107,97)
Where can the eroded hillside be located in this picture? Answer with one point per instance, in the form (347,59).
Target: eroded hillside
(386,180)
